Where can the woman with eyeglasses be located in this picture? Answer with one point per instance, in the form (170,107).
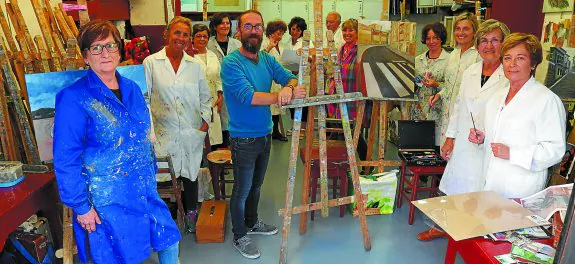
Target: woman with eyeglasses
(104,160)
(459,60)
(210,64)
(181,109)
(222,44)
(479,82)
(429,69)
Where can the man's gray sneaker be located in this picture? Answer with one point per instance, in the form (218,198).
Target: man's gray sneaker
(245,246)
(262,229)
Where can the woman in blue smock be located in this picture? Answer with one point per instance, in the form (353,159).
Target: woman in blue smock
(104,161)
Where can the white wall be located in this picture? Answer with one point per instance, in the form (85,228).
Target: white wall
(29,16)
(287,9)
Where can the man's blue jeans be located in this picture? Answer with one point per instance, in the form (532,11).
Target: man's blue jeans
(250,158)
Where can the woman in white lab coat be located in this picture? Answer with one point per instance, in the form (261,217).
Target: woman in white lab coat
(180,106)
(524,130)
(275,30)
(480,81)
(296,27)
(210,64)
(222,44)
(459,60)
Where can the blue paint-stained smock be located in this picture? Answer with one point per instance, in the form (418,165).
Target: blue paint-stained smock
(104,159)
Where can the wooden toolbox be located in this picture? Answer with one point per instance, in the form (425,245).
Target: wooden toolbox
(211,225)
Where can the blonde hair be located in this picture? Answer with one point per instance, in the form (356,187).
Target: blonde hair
(178,19)
(350,23)
(531,43)
(467,16)
(489,25)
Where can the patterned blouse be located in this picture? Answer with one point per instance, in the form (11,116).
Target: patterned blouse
(349,70)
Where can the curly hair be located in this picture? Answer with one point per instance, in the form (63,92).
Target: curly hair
(274,26)
(300,22)
(437,28)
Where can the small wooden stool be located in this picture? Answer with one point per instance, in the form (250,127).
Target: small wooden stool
(218,161)
(337,168)
(418,171)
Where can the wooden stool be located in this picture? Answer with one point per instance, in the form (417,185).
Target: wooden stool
(218,161)
(337,168)
(417,172)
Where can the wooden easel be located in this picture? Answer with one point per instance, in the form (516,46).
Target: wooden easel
(320,101)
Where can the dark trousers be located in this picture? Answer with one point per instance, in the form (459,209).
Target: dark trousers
(190,194)
(250,157)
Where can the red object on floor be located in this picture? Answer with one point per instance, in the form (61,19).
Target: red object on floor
(337,167)
(479,250)
(36,193)
(418,171)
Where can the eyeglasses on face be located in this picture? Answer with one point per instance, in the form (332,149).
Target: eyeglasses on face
(250,27)
(493,42)
(98,49)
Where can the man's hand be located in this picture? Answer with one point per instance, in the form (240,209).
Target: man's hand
(299,92)
(284,96)
(89,220)
(500,150)
(447,148)
(204,127)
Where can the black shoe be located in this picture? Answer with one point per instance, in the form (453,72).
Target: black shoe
(279,137)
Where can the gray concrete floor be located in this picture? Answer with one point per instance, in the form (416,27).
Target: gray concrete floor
(328,240)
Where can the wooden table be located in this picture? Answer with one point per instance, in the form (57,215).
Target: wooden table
(36,193)
(479,250)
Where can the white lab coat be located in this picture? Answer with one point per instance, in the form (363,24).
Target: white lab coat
(532,125)
(211,67)
(457,63)
(179,103)
(233,44)
(463,171)
(275,109)
(298,44)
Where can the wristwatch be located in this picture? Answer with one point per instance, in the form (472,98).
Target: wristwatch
(290,86)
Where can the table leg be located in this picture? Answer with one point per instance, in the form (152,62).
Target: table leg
(414,182)
(451,252)
(215,180)
(401,186)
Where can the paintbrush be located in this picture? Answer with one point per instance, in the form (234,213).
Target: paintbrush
(473,122)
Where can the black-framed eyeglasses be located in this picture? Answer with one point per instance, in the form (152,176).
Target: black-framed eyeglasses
(250,27)
(98,49)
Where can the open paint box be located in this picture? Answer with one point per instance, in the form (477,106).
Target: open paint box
(10,173)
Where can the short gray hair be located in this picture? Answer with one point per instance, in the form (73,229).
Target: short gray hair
(489,25)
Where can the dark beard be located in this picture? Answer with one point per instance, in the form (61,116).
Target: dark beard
(248,46)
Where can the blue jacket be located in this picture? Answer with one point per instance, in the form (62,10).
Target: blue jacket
(103,159)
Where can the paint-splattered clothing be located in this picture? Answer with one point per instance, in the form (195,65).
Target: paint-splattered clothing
(180,101)
(103,159)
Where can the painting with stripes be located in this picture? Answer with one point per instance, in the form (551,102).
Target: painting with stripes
(386,55)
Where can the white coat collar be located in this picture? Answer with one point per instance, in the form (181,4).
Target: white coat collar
(162,55)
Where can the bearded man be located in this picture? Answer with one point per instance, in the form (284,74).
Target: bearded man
(247,76)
